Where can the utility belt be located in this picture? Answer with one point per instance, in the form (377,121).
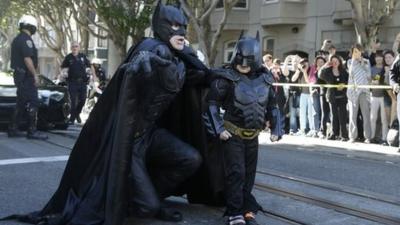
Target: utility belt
(20,75)
(247,134)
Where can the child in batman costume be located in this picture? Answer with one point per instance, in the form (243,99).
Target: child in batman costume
(245,92)
(128,156)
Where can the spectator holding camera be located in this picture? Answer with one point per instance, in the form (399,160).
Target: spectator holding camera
(288,70)
(359,98)
(301,76)
(319,62)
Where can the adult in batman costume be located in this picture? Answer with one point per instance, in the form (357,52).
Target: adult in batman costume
(245,92)
(127,160)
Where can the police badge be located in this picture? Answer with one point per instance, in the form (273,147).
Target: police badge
(29,43)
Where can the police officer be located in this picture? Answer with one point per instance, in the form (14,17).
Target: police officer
(100,73)
(24,61)
(77,79)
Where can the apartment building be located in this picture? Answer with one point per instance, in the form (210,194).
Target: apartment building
(295,26)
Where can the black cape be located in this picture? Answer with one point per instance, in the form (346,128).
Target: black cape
(93,189)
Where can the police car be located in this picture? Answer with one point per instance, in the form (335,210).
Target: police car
(54,108)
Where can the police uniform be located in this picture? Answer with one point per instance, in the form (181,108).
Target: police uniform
(77,81)
(27,92)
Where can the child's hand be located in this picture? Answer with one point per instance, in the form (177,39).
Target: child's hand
(225,135)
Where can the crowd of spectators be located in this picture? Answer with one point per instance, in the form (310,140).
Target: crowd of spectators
(337,113)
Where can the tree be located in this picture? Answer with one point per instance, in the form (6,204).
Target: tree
(368,16)
(54,26)
(120,20)
(9,15)
(199,13)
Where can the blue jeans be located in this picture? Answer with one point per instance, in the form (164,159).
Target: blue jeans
(316,111)
(293,115)
(306,119)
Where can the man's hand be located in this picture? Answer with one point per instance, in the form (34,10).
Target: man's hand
(145,61)
(396,88)
(225,135)
(36,77)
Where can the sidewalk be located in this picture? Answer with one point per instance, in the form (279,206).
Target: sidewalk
(360,149)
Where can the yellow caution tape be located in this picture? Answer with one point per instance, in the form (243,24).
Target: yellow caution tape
(334,85)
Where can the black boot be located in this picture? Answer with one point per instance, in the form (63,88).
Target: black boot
(78,119)
(32,122)
(13,130)
(71,119)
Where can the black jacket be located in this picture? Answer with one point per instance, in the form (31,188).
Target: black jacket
(333,93)
(395,72)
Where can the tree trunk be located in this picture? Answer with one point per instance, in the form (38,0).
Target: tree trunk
(368,17)
(207,39)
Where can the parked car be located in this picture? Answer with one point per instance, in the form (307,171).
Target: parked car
(54,107)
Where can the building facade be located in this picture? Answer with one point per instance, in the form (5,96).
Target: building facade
(296,26)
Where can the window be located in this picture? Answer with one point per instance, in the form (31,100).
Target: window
(92,41)
(229,48)
(102,42)
(268,45)
(241,4)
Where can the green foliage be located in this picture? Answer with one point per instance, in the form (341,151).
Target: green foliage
(125,17)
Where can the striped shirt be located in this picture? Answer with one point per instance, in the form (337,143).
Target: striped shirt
(359,74)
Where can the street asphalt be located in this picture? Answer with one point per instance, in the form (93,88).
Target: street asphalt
(30,172)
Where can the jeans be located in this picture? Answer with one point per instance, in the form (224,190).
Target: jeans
(293,115)
(362,102)
(306,119)
(377,104)
(316,111)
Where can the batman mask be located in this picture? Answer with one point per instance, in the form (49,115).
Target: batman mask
(247,53)
(168,21)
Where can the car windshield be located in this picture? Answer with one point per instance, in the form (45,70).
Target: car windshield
(6,79)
